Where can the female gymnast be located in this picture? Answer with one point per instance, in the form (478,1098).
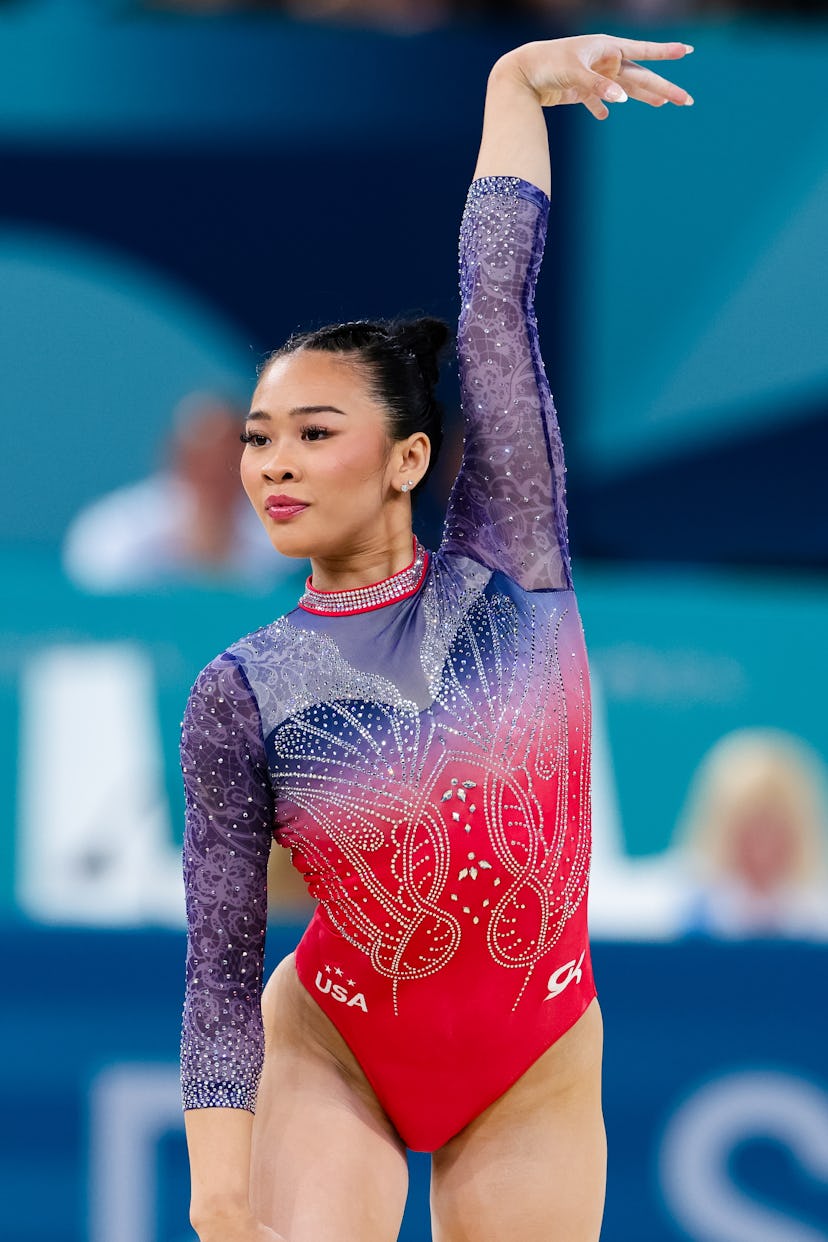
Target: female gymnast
(417,732)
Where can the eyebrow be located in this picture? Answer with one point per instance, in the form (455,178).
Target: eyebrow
(300,410)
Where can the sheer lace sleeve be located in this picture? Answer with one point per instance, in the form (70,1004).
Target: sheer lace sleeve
(227,839)
(508,507)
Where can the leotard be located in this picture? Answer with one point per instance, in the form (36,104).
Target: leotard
(422,747)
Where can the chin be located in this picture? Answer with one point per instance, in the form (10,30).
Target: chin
(292,540)
(300,549)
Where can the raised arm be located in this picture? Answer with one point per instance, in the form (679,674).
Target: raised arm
(227,840)
(508,505)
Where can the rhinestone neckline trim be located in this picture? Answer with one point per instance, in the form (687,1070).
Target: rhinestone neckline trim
(391,590)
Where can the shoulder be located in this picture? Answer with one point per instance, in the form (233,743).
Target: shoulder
(116,538)
(449,566)
(155,499)
(272,643)
(232,666)
(455,581)
(268,671)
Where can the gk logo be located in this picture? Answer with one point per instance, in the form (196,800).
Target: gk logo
(563,976)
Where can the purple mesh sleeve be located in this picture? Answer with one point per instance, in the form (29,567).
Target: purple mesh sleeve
(227,839)
(507,508)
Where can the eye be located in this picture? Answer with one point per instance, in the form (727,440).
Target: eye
(253,437)
(313,432)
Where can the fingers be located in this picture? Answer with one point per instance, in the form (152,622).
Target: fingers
(655,101)
(647,97)
(611,75)
(631,81)
(640,49)
(597,86)
(596,106)
(636,79)
(594,89)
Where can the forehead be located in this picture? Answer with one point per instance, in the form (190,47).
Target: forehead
(313,377)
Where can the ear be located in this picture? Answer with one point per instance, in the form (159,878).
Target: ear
(411,457)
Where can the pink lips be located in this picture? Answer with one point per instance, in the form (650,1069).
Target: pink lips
(281,507)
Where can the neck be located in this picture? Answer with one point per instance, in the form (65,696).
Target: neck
(364,566)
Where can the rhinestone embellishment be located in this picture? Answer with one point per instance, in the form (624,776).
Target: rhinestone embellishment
(375,595)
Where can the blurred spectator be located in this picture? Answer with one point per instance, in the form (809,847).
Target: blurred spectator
(190,522)
(753,837)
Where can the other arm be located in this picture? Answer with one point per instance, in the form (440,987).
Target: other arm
(508,505)
(227,839)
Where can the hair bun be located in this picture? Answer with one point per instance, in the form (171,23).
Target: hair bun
(426,338)
(401,359)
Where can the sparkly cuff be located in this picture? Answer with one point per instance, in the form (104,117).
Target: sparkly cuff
(483,187)
(218,1095)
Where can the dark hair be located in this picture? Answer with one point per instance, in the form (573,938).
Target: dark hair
(401,358)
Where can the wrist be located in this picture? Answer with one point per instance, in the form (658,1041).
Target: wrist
(511,70)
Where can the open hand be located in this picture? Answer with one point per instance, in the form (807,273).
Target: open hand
(590,68)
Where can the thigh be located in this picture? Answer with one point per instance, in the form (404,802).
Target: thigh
(533,1165)
(326,1163)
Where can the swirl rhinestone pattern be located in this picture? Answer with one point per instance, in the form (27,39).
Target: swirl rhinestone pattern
(445,829)
(229,816)
(423,833)
(508,506)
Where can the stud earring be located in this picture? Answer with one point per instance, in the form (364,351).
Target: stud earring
(406,486)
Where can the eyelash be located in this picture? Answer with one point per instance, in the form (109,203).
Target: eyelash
(252,437)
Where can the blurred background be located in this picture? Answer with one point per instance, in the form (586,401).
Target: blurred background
(185,183)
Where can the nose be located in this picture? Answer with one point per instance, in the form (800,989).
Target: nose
(277,465)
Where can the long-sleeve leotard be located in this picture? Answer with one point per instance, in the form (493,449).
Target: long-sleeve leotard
(426,762)
(228,831)
(508,505)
